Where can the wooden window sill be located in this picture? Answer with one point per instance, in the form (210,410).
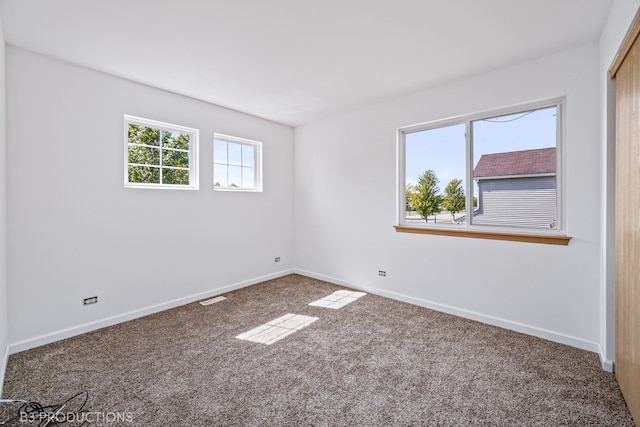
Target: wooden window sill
(549,239)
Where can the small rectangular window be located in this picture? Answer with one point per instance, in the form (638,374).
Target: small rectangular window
(237,164)
(160,155)
(491,171)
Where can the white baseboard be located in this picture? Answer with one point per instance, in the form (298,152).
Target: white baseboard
(109,321)
(467,314)
(3,368)
(607,364)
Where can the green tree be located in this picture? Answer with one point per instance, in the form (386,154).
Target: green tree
(147,145)
(409,193)
(454,200)
(427,199)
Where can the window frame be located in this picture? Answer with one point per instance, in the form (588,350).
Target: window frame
(552,236)
(169,127)
(257,145)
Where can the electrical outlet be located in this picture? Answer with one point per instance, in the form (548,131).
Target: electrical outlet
(90,300)
(277,259)
(382,273)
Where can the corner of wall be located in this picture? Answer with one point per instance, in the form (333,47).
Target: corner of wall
(621,17)
(4,320)
(3,367)
(4,328)
(607,364)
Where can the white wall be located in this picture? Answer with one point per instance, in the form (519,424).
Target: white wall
(344,198)
(75,231)
(3,219)
(620,19)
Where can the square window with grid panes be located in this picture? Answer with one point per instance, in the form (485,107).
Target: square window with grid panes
(160,155)
(236,164)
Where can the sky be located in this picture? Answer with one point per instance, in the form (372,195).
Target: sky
(443,149)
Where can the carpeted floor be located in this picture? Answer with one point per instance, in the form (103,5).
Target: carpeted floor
(374,362)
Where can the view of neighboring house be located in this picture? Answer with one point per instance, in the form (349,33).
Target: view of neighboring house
(517,189)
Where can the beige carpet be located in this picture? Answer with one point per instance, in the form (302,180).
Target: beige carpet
(373,362)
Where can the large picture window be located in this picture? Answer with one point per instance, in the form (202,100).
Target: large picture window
(160,155)
(493,171)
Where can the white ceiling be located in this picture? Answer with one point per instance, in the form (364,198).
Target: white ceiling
(295,61)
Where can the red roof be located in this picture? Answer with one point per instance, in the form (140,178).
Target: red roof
(527,162)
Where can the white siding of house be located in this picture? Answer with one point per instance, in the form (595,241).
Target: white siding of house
(517,202)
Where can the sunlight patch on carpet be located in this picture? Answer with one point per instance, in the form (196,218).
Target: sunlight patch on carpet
(338,299)
(277,329)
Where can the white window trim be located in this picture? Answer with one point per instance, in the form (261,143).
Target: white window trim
(193,153)
(561,223)
(257,169)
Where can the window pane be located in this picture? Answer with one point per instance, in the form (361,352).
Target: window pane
(175,176)
(235,161)
(220,176)
(235,177)
(163,152)
(435,161)
(143,135)
(515,169)
(144,174)
(235,154)
(220,152)
(248,155)
(248,178)
(175,158)
(132,132)
(175,140)
(144,155)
